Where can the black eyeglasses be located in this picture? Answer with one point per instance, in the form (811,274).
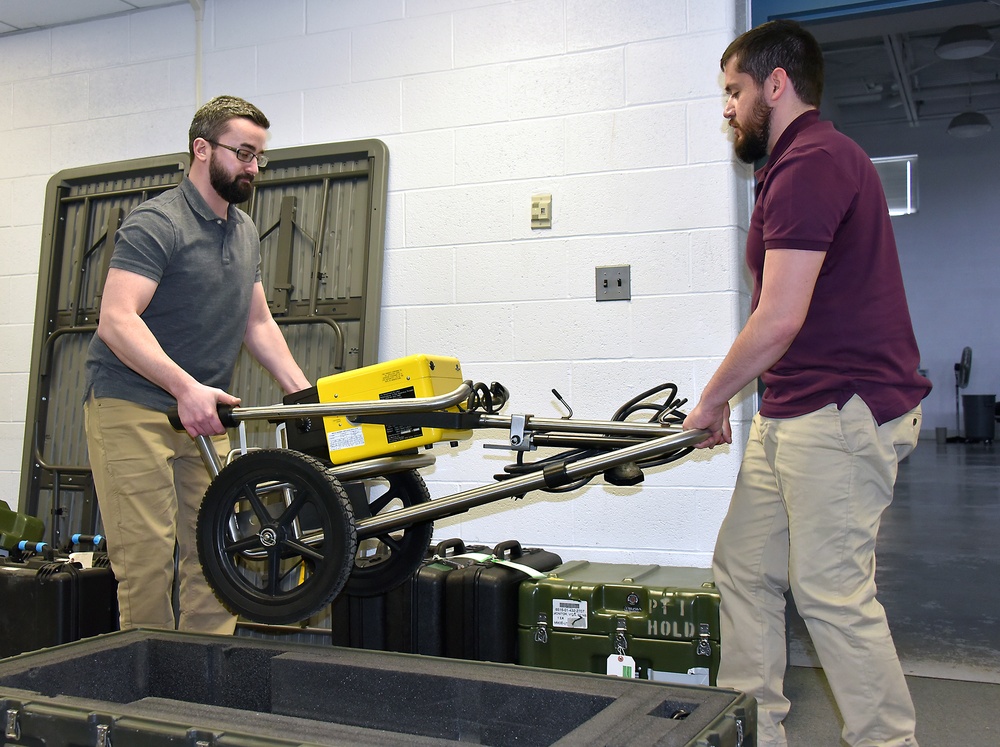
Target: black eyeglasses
(246,156)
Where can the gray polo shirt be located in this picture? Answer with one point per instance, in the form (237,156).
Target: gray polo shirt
(205,269)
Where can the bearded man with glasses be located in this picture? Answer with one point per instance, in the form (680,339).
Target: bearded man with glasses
(183,293)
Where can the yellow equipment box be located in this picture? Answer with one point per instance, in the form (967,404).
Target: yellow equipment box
(403,378)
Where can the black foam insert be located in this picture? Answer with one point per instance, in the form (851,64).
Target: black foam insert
(364,696)
(446,705)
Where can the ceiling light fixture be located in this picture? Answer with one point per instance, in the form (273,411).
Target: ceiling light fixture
(969,124)
(964,42)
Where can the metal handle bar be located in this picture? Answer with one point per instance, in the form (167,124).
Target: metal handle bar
(557,474)
(570,425)
(231,417)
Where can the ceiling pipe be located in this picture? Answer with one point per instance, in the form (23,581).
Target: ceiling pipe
(900,70)
(199,18)
(940,93)
(925,119)
(979,90)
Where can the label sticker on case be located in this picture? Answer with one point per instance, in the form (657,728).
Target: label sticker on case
(345,439)
(569,613)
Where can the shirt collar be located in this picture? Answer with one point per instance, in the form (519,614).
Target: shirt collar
(797,125)
(198,204)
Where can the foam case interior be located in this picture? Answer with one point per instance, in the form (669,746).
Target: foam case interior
(155,687)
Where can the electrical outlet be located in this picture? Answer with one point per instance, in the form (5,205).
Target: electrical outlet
(614,283)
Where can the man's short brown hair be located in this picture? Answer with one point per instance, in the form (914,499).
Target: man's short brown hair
(211,119)
(783,44)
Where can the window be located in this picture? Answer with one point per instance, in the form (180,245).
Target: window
(899,182)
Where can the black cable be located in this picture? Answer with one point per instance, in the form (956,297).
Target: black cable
(490,399)
(667,413)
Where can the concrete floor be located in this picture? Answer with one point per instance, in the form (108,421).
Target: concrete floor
(938,569)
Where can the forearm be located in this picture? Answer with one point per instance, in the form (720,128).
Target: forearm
(789,279)
(131,341)
(759,346)
(268,346)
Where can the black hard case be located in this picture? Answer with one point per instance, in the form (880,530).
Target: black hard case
(379,623)
(409,619)
(46,603)
(430,595)
(142,688)
(481,604)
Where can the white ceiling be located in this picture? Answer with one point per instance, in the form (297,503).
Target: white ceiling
(29,15)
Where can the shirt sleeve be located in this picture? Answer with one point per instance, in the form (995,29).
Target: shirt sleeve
(809,197)
(144,244)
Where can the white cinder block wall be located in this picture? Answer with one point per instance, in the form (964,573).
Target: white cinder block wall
(612,107)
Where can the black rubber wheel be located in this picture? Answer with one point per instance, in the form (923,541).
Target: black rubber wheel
(385,561)
(276,536)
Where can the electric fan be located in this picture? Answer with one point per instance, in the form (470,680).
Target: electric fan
(962,369)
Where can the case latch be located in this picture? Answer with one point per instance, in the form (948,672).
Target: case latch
(12,729)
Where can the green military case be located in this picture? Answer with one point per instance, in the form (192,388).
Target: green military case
(666,619)
(16,527)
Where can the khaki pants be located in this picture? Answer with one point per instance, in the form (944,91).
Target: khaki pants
(804,516)
(150,480)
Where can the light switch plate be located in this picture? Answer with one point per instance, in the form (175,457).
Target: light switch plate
(541,211)
(614,283)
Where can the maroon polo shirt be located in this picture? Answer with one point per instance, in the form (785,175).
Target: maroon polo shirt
(820,192)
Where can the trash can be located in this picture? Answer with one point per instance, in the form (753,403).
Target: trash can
(980,416)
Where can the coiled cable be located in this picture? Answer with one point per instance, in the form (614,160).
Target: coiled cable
(665,412)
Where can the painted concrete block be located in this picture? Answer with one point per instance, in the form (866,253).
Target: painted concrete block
(418,45)
(504,32)
(455,99)
(567,85)
(313,61)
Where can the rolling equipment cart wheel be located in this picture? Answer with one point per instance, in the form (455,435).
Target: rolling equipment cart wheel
(276,536)
(386,560)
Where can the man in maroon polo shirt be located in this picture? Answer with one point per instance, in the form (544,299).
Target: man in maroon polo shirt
(830,336)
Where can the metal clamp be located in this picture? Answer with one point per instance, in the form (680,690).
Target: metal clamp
(12,729)
(621,637)
(520,438)
(704,645)
(542,631)
(103,736)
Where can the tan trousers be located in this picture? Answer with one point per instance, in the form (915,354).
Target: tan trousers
(150,480)
(804,516)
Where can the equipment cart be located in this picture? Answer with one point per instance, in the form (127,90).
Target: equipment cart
(342,505)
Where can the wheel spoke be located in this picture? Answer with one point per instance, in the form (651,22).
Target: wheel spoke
(295,569)
(273,573)
(242,545)
(391,542)
(292,511)
(259,509)
(305,550)
(382,501)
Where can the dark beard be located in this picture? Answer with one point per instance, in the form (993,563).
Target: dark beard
(234,190)
(752,146)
